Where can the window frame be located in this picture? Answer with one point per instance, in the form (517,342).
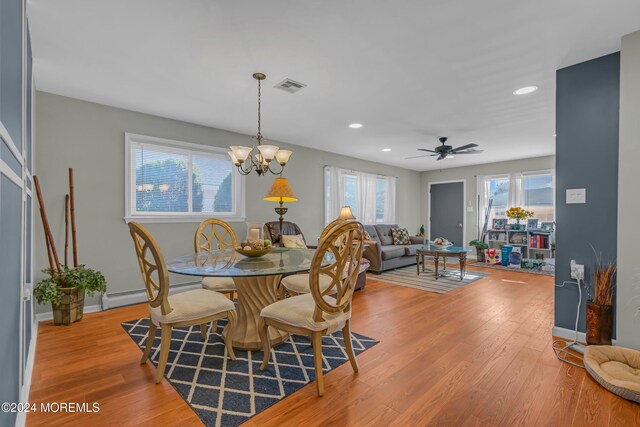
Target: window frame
(133,141)
(515,195)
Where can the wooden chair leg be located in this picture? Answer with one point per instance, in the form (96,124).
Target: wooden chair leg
(346,336)
(214,327)
(147,348)
(316,338)
(203,331)
(233,317)
(263,330)
(165,343)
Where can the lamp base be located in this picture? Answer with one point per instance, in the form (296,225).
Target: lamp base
(281,210)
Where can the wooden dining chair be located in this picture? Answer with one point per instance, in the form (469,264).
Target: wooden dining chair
(323,311)
(196,307)
(216,235)
(299,283)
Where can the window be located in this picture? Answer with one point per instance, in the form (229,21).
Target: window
(177,181)
(533,191)
(371,197)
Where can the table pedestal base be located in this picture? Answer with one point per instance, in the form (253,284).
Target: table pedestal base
(254,293)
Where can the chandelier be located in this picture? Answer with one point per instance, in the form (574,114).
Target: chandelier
(260,156)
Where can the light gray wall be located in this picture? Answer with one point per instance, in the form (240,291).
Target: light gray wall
(587,105)
(90,138)
(469,174)
(628,290)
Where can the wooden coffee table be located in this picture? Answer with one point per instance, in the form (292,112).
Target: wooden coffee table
(437,252)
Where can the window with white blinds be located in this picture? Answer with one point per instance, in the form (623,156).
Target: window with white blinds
(177,181)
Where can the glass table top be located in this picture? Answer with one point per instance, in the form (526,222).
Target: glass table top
(229,263)
(430,247)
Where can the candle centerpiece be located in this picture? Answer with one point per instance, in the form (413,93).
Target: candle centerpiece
(254,245)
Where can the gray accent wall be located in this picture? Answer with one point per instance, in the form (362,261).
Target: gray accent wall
(16,318)
(587,111)
(90,138)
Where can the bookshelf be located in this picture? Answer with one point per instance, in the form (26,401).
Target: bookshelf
(533,243)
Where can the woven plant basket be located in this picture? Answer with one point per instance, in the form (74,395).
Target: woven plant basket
(70,308)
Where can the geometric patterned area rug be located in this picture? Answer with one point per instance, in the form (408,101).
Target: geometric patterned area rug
(225,392)
(406,276)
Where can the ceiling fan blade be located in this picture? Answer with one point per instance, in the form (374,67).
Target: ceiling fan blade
(440,157)
(424,149)
(464,147)
(416,157)
(468,152)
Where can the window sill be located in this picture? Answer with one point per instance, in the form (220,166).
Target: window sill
(177,219)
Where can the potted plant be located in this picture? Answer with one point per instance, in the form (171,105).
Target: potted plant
(65,291)
(480,247)
(599,308)
(518,214)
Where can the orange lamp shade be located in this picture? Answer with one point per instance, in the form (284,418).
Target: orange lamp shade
(280,191)
(346,213)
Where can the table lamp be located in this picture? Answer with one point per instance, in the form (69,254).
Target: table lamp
(346,214)
(280,192)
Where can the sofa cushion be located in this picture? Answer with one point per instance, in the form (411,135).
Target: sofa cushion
(371,230)
(391,252)
(384,233)
(400,236)
(408,250)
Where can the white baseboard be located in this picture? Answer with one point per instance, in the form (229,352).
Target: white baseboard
(122,299)
(48,315)
(137,297)
(21,419)
(570,334)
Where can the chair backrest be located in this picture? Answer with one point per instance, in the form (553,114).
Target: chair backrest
(272,231)
(214,234)
(345,241)
(152,267)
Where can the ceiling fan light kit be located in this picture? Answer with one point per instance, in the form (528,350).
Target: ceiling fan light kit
(445,151)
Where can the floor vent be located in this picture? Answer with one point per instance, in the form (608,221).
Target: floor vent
(290,86)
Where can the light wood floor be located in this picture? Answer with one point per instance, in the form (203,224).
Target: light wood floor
(480,355)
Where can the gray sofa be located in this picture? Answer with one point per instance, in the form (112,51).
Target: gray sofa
(383,254)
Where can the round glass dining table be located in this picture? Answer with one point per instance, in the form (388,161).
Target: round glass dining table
(256,280)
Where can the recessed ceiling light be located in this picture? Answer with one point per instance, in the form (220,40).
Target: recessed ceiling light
(355,125)
(525,90)
(386,149)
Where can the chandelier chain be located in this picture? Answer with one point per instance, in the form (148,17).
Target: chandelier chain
(259,136)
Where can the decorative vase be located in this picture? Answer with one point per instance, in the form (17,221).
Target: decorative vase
(599,324)
(70,308)
(480,254)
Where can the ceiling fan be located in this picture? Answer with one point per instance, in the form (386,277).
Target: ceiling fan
(447,151)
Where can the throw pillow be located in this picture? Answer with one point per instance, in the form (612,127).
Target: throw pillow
(400,236)
(293,241)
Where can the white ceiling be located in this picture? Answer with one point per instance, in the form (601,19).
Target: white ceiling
(408,70)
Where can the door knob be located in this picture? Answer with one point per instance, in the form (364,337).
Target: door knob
(459,225)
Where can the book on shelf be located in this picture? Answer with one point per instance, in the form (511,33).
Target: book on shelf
(539,241)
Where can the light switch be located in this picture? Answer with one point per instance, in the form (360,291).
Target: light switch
(576,195)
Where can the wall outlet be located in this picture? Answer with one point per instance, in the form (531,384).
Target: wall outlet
(577,270)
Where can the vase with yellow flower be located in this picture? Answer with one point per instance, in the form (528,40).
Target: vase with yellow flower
(518,214)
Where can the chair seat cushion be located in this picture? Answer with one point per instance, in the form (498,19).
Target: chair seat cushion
(218,284)
(616,368)
(299,283)
(192,305)
(298,312)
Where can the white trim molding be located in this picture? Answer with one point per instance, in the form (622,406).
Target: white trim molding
(569,334)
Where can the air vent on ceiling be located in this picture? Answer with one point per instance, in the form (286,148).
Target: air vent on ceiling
(290,86)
